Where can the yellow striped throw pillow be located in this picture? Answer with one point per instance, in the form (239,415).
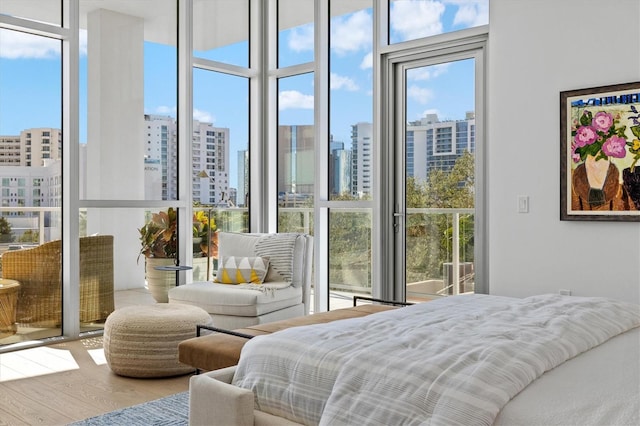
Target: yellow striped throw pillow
(239,270)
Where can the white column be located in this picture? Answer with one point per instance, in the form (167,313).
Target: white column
(115,134)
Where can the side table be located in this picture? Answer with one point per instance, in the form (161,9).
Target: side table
(176,269)
(8,304)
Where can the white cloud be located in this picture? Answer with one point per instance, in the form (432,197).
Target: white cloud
(416,19)
(351,33)
(427,73)
(337,82)
(429,111)
(292,99)
(367,61)
(421,95)
(472,13)
(17,45)
(203,116)
(301,38)
(165,110)
(83,42)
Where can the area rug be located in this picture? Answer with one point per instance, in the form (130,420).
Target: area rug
(172,410)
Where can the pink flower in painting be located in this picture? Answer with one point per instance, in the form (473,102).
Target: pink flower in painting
(574,155)
(615,147)
(602,121)
(585,135)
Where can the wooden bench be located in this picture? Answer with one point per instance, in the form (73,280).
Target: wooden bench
(220,350)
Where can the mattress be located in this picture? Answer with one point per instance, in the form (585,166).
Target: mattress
(596,386)
(456,360)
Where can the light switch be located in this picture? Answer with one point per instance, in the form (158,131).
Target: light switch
(523,204)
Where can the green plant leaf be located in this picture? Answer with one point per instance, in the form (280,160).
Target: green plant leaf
(586,118)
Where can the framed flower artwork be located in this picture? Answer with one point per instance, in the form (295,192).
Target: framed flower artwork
(600,153)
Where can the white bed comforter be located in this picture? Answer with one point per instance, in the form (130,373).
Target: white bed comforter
(456,360)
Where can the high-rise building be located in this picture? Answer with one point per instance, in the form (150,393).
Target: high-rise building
(10,150)
(233,197)
(339,169)
(210,161)
(242,192)
(296,152)
(211,158)
(430,144)
(28,186)
(41,147)
(31,176)
(361,139)
(32,148)
(161,180)
(434,144)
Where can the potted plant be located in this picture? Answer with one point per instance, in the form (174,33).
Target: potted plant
(159,245)
(205,245)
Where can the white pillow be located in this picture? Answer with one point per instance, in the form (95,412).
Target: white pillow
(279,248)
(239,270)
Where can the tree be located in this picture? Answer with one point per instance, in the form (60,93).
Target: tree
(429,235)
(6,234)
(452,188)
(29,236)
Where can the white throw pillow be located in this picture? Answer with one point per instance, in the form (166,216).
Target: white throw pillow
(239,270)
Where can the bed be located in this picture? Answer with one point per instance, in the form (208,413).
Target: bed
(469,359)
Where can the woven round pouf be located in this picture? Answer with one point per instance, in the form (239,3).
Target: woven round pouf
(142,341)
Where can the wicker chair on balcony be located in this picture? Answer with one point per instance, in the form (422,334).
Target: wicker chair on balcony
(39,272)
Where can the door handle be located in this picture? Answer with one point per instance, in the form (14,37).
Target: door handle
(396,219)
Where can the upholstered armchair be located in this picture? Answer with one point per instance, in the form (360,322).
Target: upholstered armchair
(39,272)
(254,294)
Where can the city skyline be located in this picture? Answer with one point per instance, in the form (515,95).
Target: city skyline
(24,58)
(35,160)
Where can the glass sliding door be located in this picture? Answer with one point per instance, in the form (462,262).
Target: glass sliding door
(438,133)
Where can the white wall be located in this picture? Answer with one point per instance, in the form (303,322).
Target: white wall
(536,50)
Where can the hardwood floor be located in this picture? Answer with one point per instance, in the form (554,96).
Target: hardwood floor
(70,381)
(65,382)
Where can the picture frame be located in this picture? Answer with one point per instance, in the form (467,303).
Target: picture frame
(600,153)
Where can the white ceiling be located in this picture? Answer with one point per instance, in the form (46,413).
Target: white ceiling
(216,22)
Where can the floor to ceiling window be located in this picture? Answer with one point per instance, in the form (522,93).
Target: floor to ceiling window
(296,143)
(271,119)
(296,153)
(220,152)
(30,180)
(351,154)
(220,148)
(295,119)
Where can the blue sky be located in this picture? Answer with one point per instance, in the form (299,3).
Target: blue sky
(30,75)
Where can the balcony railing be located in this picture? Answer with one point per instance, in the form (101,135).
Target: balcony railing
(438,242)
